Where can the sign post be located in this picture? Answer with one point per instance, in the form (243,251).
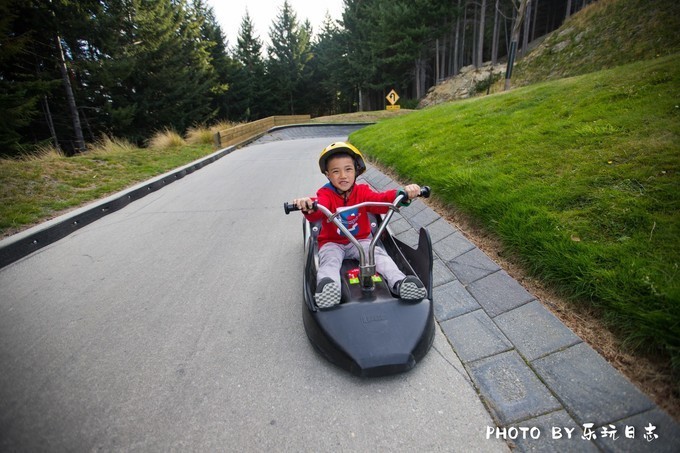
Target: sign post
(392,97)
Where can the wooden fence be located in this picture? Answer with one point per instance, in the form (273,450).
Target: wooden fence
(245,131)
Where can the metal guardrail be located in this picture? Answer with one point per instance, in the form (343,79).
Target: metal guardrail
(242,132)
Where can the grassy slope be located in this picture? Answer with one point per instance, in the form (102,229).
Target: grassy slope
(606,34)
(34,190)
(578,177)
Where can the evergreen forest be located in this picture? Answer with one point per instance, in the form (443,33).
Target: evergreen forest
(73,71)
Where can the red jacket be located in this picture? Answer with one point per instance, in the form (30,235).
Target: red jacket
(355,220)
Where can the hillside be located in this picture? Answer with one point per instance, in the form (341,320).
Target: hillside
(605,34)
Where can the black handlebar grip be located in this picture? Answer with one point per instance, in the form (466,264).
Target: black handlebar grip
(290,207)
(425,191)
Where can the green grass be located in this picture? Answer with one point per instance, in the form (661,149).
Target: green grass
(37,189)
(577,177)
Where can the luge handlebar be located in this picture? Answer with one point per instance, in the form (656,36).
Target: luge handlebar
(290,207)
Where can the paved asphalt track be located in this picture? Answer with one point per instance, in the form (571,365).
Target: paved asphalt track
(174,324)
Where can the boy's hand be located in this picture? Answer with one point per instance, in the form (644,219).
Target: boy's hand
(412,190)
(305,204)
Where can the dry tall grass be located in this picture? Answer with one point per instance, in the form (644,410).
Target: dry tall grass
(222,125)
(166,138)
(43,153)
(199,135)
(205,135)
(109,145)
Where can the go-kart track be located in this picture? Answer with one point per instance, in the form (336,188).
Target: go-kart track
(173,323)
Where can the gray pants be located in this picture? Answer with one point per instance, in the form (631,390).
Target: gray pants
(332,254)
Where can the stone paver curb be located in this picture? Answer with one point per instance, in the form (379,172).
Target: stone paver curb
(441,274)
(452,246)
(472,266)
(440,229)
(453,300)
(588,388)
(511,390)
(498,293)
(535,331)
(474,336)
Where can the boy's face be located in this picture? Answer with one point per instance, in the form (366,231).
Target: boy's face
(340,172)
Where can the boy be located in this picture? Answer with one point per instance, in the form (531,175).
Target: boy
(342,163)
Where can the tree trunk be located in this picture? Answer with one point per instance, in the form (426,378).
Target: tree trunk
(442,67)
(87,124)
(456,47)
(533,20)
(494,39)
(436,63)
(480,40)
(416,81)
(473,37)
(462,42)
(517,26)
(80,141)
(527,23)
(420,77)
(50,122)
(568,10)
(452,53)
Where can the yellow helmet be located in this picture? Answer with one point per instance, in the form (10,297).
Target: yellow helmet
(344,148)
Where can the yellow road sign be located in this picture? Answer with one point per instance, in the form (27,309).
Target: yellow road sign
(392,97)
(392,107)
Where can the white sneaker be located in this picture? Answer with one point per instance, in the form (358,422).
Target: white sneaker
(411,288)
(327,293)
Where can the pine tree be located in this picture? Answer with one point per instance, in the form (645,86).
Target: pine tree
(248,100)
(155,68)
(224,66)
(330,71)
(20,94)
(34,102)
(358,21)
(288,54)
